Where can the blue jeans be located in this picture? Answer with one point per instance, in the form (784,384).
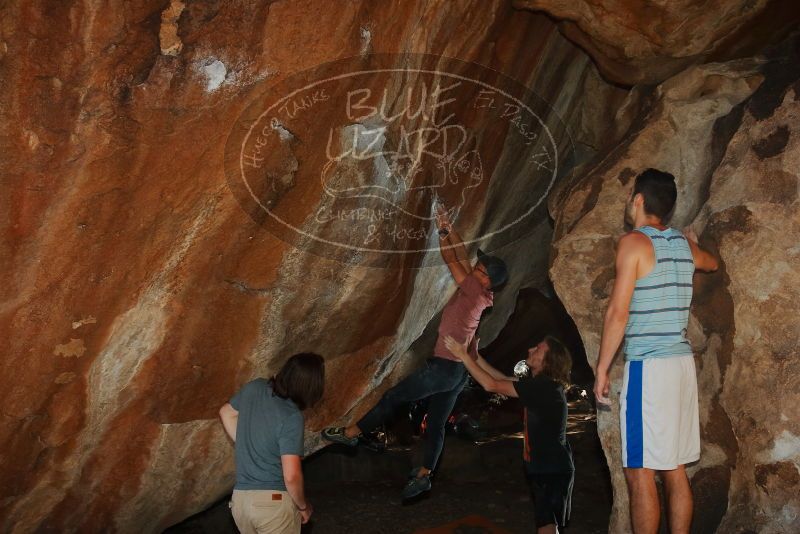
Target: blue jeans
(439,379)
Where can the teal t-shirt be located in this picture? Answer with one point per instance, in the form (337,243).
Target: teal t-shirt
(267,428)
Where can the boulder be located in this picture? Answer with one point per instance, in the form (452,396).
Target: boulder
(138,295)
(647,41)
(725,131)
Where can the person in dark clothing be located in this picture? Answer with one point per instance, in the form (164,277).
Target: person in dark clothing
(546,453)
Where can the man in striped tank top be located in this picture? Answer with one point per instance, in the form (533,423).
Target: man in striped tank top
(648,313)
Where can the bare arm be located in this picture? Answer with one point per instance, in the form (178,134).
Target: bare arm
(472,350)
(703,260)
(491,384)
(229,417)
(616,317)
(489,368)
(455,241)
(293,478)
(494,373)
(454,253)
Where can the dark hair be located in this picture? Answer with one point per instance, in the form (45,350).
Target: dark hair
(557,361)
(659,192)
(301,379)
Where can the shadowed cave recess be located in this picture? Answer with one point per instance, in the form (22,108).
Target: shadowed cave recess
(193,191)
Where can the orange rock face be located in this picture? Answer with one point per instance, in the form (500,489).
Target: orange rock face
(166,239)
(138,293)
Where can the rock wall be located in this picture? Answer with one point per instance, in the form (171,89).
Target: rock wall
(138,295)
(727,133)
(648,41)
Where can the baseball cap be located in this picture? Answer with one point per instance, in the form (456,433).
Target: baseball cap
(495,268)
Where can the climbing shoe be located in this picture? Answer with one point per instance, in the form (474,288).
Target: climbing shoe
(336,435)
(416,485)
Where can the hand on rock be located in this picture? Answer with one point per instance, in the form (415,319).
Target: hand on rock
(690,234)
(443,220)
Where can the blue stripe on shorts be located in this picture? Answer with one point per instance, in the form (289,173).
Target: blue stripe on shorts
(634,439)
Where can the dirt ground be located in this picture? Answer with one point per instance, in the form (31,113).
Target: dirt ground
(479,486)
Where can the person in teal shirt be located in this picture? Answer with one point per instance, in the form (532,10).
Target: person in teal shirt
(265,421)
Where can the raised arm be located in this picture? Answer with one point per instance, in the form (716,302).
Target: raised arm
(472,350)
(493,372)
(454,253)
(504,386)
(616,317)
(703,260)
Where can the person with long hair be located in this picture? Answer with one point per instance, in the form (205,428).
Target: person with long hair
(265,421)
(546,454)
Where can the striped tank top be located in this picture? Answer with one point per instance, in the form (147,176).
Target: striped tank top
(659,310)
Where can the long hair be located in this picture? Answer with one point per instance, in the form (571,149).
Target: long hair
(557,361)
(301,379)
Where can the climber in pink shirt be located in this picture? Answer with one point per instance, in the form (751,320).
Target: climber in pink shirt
(443,376)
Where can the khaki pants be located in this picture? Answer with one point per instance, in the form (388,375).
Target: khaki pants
(265,512)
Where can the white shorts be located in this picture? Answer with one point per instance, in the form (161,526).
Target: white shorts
(659,418)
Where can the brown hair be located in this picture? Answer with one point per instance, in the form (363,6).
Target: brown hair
(301,379)
(659,192)
(557,361)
